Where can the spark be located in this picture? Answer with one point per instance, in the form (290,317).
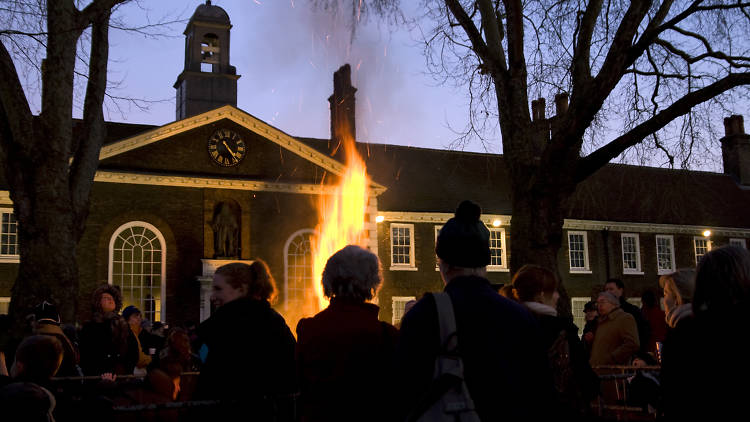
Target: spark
(257,2)
(292,4)
(359,64)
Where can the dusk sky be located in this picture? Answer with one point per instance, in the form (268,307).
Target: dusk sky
(286,53)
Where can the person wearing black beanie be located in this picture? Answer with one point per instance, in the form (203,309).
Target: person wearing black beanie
(499,340)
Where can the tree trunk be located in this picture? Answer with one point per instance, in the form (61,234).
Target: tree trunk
(536,232)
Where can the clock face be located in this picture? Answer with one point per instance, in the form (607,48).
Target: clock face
(226,148)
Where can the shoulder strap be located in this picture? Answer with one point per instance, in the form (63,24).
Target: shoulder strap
(446,322)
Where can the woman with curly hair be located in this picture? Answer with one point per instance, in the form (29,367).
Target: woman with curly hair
(107,345)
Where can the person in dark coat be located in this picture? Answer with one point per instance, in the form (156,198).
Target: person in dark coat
(501,345)
(714,353)
(344,353)
(654,315)
(250,347)
(107,345)
(591,316)
(616,287)
(47,322)
(576,384)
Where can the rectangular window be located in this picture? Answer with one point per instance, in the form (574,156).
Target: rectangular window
(665,254)
(738,242)
(578,252)
(399,305)
(631,254)
(497,250)
(402,247)
(579,317)
(4,304)
(8,236)
(701,245)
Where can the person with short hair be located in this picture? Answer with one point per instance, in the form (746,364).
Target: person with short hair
(616,287)
(616,338)
(501,345)
(250,347)
(576,384)
(132,316)
(345,353)
(47,322)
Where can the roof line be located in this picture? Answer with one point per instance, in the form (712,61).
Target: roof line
(238,116)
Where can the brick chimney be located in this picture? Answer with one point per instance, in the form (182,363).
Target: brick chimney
(342,106)
(735,150)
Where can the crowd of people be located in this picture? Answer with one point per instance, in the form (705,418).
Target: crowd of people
(493,355)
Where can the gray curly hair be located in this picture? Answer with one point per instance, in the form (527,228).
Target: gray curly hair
(352,272)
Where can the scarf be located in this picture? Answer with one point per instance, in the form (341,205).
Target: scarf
(540,308)
(676,314)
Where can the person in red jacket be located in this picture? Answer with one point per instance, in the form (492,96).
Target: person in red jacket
(344,353)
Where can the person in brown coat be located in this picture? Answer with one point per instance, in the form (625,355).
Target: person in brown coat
(616,338)
(344,353)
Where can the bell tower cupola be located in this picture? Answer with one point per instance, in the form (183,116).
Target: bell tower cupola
(208,81)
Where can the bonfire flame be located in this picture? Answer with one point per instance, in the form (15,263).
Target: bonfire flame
(341,218)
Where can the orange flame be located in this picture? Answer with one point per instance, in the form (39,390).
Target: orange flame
(341,218)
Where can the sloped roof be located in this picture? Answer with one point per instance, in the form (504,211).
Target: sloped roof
(429,180)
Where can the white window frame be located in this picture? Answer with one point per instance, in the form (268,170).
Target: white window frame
(637,270)
(662,271)
(437,231)
(576,308)
(695,247)
(398,303)
(635,301)
(586,269)
(162,244)
(735,241)
(287,275)
(411,265)
(503,255)
(10,258)
(5,300)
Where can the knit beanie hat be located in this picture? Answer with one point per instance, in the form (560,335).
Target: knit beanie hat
(464,241)
(129,310)
(46,312)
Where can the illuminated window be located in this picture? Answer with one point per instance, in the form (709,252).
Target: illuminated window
(738,242)
(399,304)
(701,245)
(402,247)
(8,236)
(665,254)
(497,250)
(4,304)
(579,317)
(631,254)
(298,264)
(578,252)
(137,258)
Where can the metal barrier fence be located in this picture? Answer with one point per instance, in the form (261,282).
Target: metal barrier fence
(614,402)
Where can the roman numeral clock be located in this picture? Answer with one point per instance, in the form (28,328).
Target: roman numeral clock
(226,148)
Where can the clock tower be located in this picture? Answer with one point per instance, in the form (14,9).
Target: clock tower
(208,81)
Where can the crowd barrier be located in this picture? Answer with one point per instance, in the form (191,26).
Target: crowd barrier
(614,402)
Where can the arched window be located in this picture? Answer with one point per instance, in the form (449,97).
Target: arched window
(298,276)
(137,258)
(210,49)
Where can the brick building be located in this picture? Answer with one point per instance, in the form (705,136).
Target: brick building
(170,203)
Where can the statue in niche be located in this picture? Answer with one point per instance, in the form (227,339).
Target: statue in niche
(226,229)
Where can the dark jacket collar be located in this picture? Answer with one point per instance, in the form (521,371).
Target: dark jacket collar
(346,304)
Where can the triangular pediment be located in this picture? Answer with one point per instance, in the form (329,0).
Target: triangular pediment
(182,149)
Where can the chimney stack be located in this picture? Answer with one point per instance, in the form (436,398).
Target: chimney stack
(735,150)
(538,109)
(561,103)
(342,106)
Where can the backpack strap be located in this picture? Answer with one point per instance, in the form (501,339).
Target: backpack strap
(446,322)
